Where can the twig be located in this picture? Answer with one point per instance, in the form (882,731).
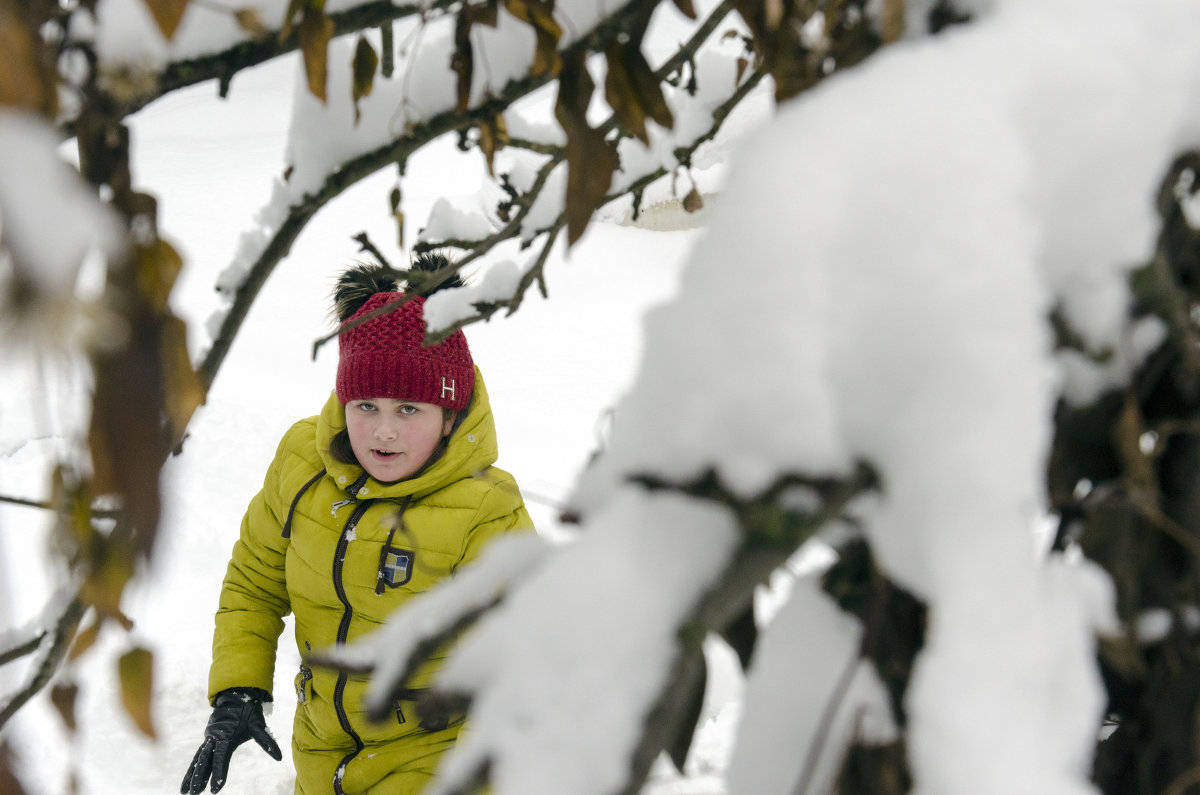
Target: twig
(359,168)
(223,65)
(480,247)
(812,756)
(363,240)
(25,649)
(64,632)
(95,513)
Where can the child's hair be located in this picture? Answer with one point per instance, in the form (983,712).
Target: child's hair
(382,350)
(364,279)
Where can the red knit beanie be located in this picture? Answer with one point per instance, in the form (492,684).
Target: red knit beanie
(385,358)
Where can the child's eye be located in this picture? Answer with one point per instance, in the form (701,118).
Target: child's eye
(366,406)
(408,410)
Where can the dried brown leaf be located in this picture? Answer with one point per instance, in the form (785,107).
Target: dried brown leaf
(397,214)
(294,9)
(85,638)
(891,20)
(539,14)
(250,21)
(23,79)
(692,201)
(185,390)
(9,784)
(126,437)
(136,671)
(112,569)
(635,88)
(314,32)
(366,61)
(619,93)
(686,8)
(158,265)
(590,160)
(493,136)
(167,15)
(742,64)
(63,697)
(462,62)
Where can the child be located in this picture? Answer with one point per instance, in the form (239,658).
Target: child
(389,490)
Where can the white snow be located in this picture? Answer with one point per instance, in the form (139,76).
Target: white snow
(627,576)
(873,285)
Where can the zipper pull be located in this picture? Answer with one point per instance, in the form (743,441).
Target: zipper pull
(337,505)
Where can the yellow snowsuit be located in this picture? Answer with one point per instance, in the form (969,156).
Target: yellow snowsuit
(342,551)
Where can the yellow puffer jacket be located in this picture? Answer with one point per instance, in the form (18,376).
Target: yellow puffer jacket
(342,551)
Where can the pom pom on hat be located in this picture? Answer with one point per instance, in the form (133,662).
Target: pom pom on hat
(385,357)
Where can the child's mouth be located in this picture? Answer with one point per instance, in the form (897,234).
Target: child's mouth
(386,455)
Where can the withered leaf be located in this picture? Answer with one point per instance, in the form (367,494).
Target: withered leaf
(167,14)
(686,8)
(619,93)
(185,390)
(24,82)
(590,160)
(158,266)
(366,61)
(397,215)
(86,638)
(126,437)
(315,31)
(493,136)
(294,8)
(63,697)
(891,20)
(462,62)
(9,784)
(632,90)
(539,14)
(112,568)
(692,201)
(249,20)
(136,671)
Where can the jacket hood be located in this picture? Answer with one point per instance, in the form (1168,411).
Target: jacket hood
(472,448)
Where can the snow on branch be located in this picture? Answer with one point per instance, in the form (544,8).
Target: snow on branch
(52,634)
(608,625)
(305,194)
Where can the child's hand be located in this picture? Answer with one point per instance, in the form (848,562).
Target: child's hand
(237,717)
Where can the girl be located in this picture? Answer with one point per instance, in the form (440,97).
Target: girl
(388,490)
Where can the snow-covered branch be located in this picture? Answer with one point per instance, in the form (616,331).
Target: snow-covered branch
(262,45)
(53,635)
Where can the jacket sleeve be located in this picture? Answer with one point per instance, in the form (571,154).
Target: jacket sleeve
(254,597)
(502,511)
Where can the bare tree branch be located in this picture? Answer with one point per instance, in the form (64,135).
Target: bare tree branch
(96,513)
(222,66)
(23,649)
(60,641)
(359,168)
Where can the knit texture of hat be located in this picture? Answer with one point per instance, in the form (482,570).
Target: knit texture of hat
(385,358)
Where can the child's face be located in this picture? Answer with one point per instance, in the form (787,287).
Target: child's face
(392,439)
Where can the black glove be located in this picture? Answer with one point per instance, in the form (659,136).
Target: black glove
(237,716)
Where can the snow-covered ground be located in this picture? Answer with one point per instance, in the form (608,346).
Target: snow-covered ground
(968,163)
(554,369)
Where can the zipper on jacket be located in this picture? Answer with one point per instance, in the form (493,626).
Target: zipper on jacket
(339,558)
